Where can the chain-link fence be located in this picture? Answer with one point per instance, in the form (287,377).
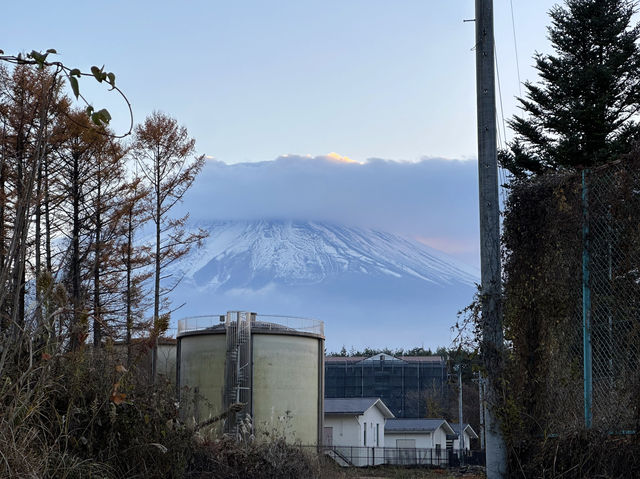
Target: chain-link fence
(611,304)
(572,299)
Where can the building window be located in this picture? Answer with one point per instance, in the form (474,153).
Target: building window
(378,435)
(364,426)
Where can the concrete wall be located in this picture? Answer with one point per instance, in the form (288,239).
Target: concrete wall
(202,360)
(286,386)
(167,361)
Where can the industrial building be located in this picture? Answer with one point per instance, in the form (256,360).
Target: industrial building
(403,383)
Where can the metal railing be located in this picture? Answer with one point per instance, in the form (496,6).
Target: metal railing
(262,321)
(353,456)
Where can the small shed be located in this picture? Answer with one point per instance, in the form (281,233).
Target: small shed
(354,428)
(468,435)
(418,441)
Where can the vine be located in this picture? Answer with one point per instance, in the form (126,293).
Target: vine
(101,117)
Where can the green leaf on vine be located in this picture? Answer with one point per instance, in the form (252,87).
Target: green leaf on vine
(97,73)
(74,86)
(101,117)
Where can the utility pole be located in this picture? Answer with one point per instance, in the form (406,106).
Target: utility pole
(492,336)
(482,407)
(461,435)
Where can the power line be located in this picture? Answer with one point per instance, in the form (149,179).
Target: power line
(501,141)
(515,46)
(504,127)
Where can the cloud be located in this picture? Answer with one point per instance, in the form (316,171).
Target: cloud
(433,200)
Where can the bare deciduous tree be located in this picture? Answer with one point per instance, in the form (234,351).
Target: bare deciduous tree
(165,155)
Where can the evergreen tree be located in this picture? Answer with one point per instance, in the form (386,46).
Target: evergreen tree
(583,112)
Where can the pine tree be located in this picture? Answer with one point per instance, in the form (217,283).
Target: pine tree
(583,111)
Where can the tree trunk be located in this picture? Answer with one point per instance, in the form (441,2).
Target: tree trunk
(47,218)
(75,252)
(128,292)
(156,294)
(38,235)
(97,325)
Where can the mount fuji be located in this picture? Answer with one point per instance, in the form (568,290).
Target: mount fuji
(371,288)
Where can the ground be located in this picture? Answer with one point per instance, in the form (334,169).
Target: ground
(333,471)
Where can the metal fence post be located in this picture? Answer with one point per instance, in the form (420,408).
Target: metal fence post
(586,305)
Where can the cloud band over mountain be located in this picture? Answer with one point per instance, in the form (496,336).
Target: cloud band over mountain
(433,200)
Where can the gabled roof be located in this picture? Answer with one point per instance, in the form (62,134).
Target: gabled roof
(382,357)
(417,425)
(343,359)
(465,427)
(355,406)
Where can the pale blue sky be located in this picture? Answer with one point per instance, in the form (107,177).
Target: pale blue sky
(256,80)
(253,80)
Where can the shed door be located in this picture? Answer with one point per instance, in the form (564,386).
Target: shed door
(327,438)
(406,451)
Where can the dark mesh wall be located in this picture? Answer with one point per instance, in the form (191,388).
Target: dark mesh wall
(402,385)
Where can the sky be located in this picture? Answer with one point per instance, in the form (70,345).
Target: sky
(383,83)
(255,79)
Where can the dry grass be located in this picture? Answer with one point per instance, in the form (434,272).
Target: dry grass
(330,470)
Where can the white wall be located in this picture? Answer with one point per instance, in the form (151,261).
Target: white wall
(440,437)
(423,440)
(348,431)
(467,442)
(372,419)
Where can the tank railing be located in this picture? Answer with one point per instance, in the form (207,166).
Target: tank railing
(267,321)
(306,325)
(197,323)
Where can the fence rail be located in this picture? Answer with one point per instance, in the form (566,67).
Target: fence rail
(353,456)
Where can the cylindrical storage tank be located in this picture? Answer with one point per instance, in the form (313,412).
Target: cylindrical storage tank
(272,364)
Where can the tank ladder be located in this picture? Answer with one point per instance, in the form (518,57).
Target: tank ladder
(238,374)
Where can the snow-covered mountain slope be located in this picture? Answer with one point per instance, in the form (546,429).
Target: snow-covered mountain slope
(356,280)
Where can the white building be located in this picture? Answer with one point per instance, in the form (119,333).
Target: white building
(468,434)
(355,429)
(417,441)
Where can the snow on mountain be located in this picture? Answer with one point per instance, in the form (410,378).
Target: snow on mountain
(360,282)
